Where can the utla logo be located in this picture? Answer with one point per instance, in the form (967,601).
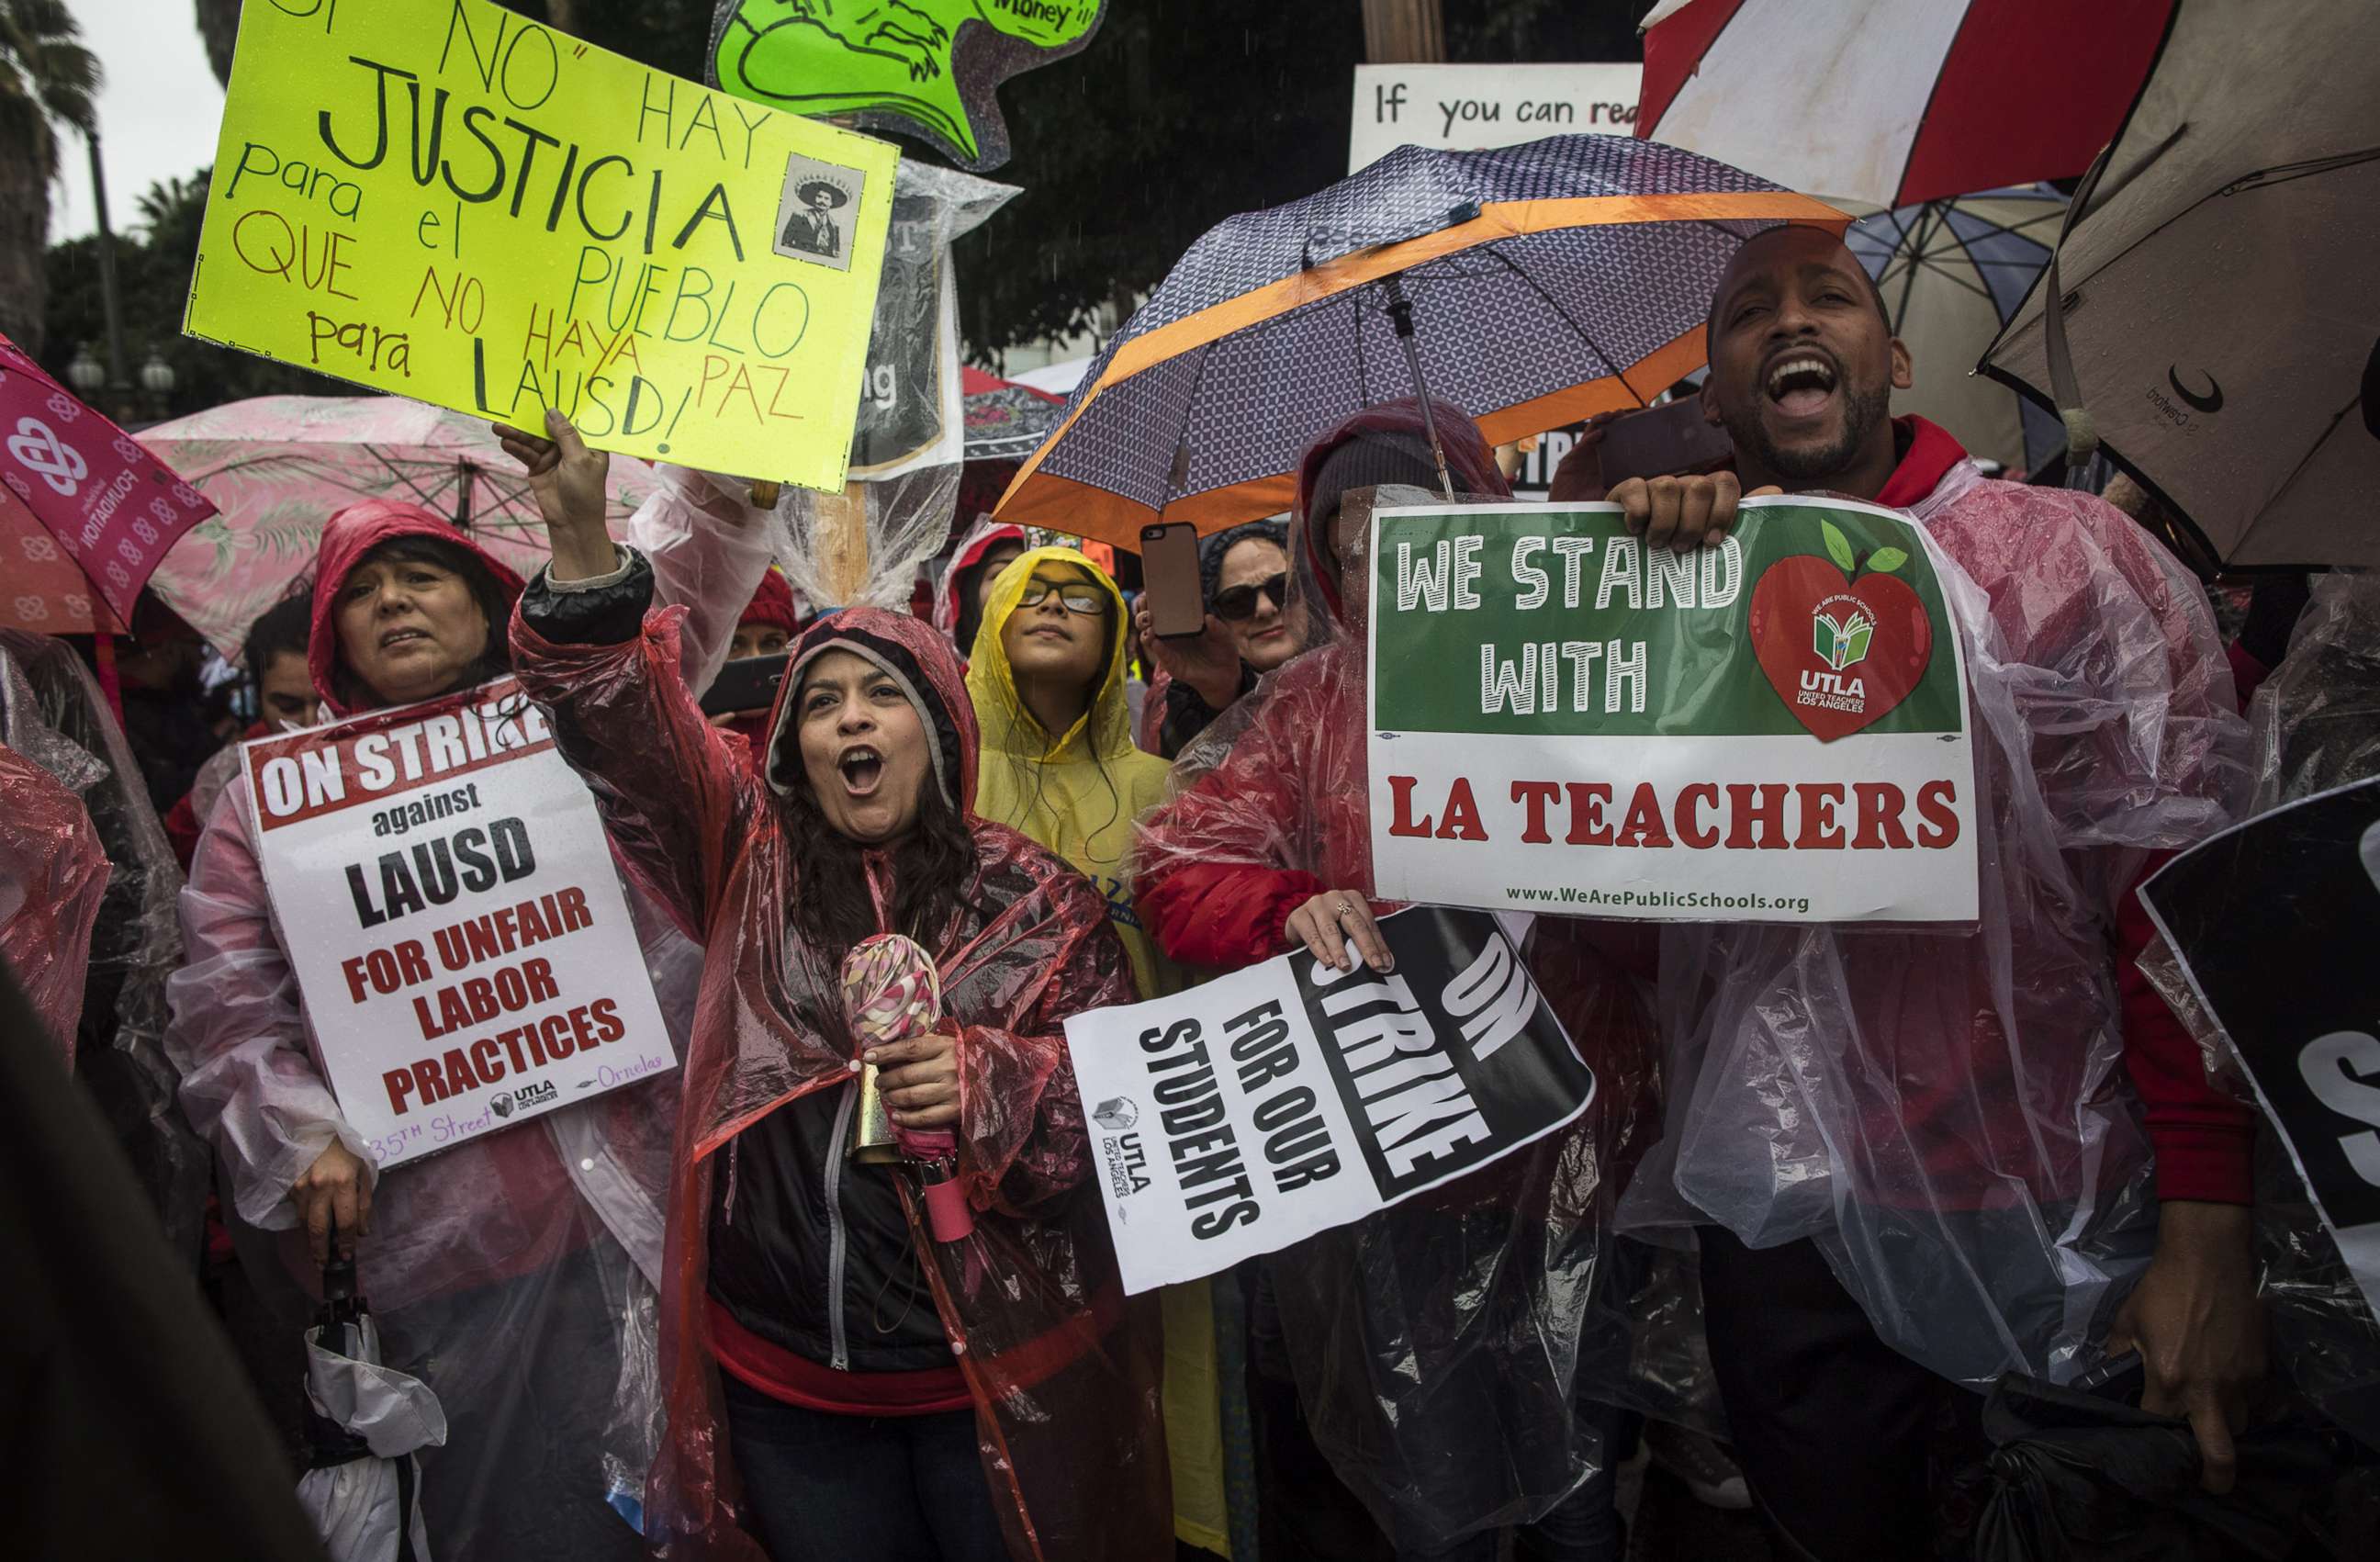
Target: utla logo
(1815,619)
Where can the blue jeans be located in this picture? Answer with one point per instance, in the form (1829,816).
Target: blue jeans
(833,1488)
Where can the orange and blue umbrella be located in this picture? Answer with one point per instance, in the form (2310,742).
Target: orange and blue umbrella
(1532,285)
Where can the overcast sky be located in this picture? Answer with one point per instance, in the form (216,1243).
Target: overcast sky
(159,108)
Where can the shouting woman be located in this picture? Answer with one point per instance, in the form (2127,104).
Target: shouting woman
(875,1391)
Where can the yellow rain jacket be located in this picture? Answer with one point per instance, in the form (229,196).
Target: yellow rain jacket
(1079,793)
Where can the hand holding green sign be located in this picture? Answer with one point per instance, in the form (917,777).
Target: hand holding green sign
(1770,729)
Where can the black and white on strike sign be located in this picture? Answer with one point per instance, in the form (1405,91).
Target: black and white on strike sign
(1289,1098)
(449,904)
(2275,921)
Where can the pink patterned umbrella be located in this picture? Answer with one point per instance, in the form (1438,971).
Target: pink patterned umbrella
(277,467)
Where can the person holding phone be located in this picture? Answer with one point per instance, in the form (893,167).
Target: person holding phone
(1256,620)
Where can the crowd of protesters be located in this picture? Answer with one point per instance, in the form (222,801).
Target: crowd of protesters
(1900,1161)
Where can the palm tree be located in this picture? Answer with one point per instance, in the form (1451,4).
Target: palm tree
(48,82)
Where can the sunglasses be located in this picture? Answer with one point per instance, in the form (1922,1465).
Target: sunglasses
(1240,602)
(1075,596)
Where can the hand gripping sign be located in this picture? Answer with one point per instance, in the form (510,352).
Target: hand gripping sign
(1771,729)
(1289,1098)
(449,904)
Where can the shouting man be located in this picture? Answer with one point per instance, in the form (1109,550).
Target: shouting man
(1906,1151)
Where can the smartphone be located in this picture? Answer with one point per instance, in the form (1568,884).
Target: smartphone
(1662,442)
(748,683)
(1169,571)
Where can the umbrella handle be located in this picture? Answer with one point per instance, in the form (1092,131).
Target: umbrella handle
(1400,315)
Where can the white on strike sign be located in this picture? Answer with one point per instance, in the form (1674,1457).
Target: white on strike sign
(1288,1098)
(449,904)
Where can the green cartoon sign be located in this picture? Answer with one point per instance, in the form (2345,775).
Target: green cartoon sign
(923,68)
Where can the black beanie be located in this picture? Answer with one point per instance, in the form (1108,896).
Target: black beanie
(1369,461)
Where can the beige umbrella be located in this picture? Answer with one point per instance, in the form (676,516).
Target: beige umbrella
(2216,291)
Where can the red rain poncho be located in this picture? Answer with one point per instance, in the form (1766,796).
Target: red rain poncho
(557,1224)
(1064,1392)
(1437,1345)
(1944,1110)
(53,874)
(949,611)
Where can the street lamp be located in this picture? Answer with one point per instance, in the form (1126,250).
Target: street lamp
(85,373)
(157,379)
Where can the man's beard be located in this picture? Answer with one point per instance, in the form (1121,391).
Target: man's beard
(1862,410)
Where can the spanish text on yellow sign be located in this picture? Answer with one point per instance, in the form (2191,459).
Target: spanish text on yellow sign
(442,198)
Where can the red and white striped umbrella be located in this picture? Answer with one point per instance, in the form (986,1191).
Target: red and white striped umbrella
(1896,101)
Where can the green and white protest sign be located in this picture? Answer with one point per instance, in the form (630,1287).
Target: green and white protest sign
(1774,729)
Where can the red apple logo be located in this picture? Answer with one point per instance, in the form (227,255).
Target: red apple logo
(1840,645)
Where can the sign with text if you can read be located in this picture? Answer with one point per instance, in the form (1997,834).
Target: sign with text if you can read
(450,906)
(1252,1111)
(445,200)
(1771,729)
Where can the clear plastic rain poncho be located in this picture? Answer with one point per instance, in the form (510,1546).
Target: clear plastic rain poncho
(2315,725)
(1436,1346)
(515,1273)
(1062,1371)
(1946,1110)
(51,875)
(52,711)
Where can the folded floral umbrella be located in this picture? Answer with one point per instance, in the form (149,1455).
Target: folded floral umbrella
(277,467)
(1530,286)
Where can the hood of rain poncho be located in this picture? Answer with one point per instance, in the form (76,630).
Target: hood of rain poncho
(347,537)
(1948,1112)
(1104,730)
(1030,1301)
(913,657)
(949,607)
(1077,792)
(1435,1345)
(1397,437)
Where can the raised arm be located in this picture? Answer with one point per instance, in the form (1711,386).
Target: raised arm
(709,549)
(587,647)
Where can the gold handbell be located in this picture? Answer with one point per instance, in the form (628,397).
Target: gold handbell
(872,1144)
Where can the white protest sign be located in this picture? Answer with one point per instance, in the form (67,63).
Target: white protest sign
(1770,729)
(1288,1098)
(450,906)
(1471,108)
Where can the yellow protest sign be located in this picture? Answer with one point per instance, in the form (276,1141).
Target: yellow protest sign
(442,198)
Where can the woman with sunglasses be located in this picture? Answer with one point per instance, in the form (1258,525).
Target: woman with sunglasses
(1256,621)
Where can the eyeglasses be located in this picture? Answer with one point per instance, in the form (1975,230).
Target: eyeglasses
(1240,602)
(1075,596)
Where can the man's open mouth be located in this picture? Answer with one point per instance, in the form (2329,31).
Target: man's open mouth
(862,769)
(1800,383)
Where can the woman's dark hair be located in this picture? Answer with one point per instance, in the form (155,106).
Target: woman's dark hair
(495,607)
(834,909)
